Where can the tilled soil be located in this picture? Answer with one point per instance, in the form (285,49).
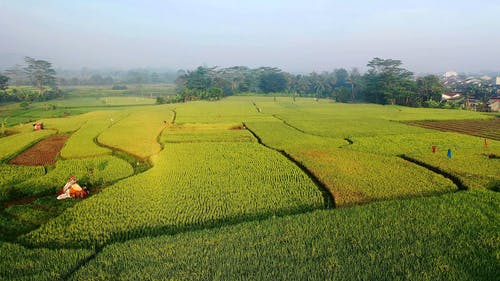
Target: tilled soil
(43,153)
(480,128)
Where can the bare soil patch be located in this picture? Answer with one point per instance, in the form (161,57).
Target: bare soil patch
(43,153)
(481,128)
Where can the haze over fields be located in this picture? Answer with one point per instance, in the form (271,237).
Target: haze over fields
(297,36)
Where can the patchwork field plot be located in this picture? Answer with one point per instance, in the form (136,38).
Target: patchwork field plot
(480,128)
(20,263)
(198,132)
(127,101)
(12,145)
(89,171)
(234,110)
(138,132)
(43,153)
(242,188)
(190,185)
(352,177)
(463,151)
(82,143)
(12,174)
(439,238)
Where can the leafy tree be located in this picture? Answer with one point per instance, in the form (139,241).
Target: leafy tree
(96,79)
(273,82)
(321,85)
(356,82)
(160,100)
(342,94)
(17,75)
(155,78)
(3,82)
(387,82)
(200,79)
(341,76)
(40,73)
(429,88)
(3,87)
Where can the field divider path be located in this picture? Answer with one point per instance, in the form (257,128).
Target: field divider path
(456,180)
(99,249)
(166,230)
(328,198)
(297,128)
(172,121)
(81,264)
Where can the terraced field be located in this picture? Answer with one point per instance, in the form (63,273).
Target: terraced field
(245,188)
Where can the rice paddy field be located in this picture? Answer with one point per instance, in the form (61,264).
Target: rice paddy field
(252,188)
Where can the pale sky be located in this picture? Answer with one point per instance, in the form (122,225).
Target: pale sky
(297,36)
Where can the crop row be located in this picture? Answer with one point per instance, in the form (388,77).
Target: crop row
(206,133)
(12,174)
(20,263)
(137,133)
(69,124)
(347,120)
(353,177)
(190,185)
(232,110)
(464,151)
(88,171)
(123,101)
(14,144)
(437,238)
(81,143)
(484,128)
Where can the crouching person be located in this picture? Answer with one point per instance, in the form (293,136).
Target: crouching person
(72,190)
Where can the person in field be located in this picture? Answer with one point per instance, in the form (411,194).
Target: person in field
(71,190)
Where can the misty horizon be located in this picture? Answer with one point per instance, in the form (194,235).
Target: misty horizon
(296,36)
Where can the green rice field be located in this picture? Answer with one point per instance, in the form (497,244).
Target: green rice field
(249,188)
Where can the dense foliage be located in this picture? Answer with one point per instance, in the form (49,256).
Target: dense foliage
(386,82)
(38,73)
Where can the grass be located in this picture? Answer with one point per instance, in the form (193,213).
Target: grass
(190,186)
(217,204)
(465,150)
(138,132)
(200,132)
(353,177)
(82,142)
(20,263)
(91,172)
(15,144)
(439,238)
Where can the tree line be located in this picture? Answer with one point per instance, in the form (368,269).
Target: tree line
(38,73)
(385,82)
(105,78)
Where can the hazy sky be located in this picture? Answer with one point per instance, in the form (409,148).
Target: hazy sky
(297,36)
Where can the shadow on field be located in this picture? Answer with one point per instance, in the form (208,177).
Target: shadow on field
(155,231)
(456,180)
